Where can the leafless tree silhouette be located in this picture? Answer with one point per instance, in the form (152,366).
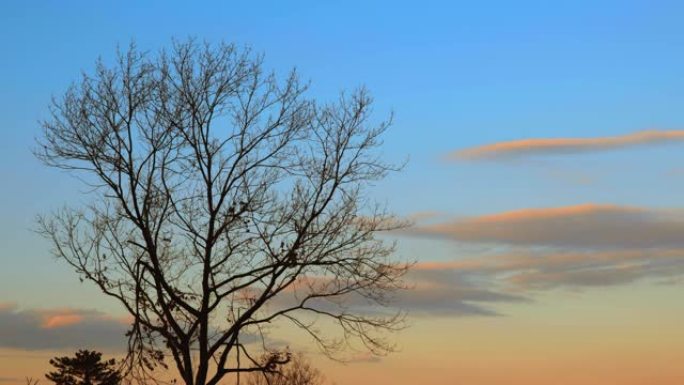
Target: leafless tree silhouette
(223,200)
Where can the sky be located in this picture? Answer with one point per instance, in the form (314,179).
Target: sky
(545,175)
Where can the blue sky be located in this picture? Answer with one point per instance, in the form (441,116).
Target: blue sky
(456,74)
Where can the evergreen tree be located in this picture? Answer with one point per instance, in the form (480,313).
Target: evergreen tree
(86,368)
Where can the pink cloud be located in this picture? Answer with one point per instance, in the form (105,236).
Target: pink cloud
(61,320)
(579,226)
(533,146)
(35,329)
(572,246)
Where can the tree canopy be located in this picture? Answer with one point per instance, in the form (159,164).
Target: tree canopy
(85,368)
(223,200)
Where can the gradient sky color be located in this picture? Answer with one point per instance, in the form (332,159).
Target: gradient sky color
(555,247)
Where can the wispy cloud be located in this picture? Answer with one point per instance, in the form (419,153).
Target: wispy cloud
(537,270)
(427,295)
(573,246)
(35,329)
(547,146)
(62,320)
(444,293)
(580,226)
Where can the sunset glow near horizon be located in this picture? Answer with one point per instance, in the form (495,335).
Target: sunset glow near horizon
(545,177)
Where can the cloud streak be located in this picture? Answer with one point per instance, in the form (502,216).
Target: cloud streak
(550,146)
(580,226)
(443,293)
(36,329)
(520,272)
(428,294)
(579,246)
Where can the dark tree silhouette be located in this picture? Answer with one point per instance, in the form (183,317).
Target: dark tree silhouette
(296,372)
(85,368)
(223,200)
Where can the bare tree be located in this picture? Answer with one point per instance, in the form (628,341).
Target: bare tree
(296,372)
(223,200)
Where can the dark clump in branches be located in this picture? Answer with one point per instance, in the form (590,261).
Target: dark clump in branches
(85,368)
(223,200)
(298,371)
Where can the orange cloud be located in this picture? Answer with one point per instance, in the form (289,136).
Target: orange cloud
(61,320)
(36,329)
(577,246)
(565,145)
(580,226)
(551,212)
